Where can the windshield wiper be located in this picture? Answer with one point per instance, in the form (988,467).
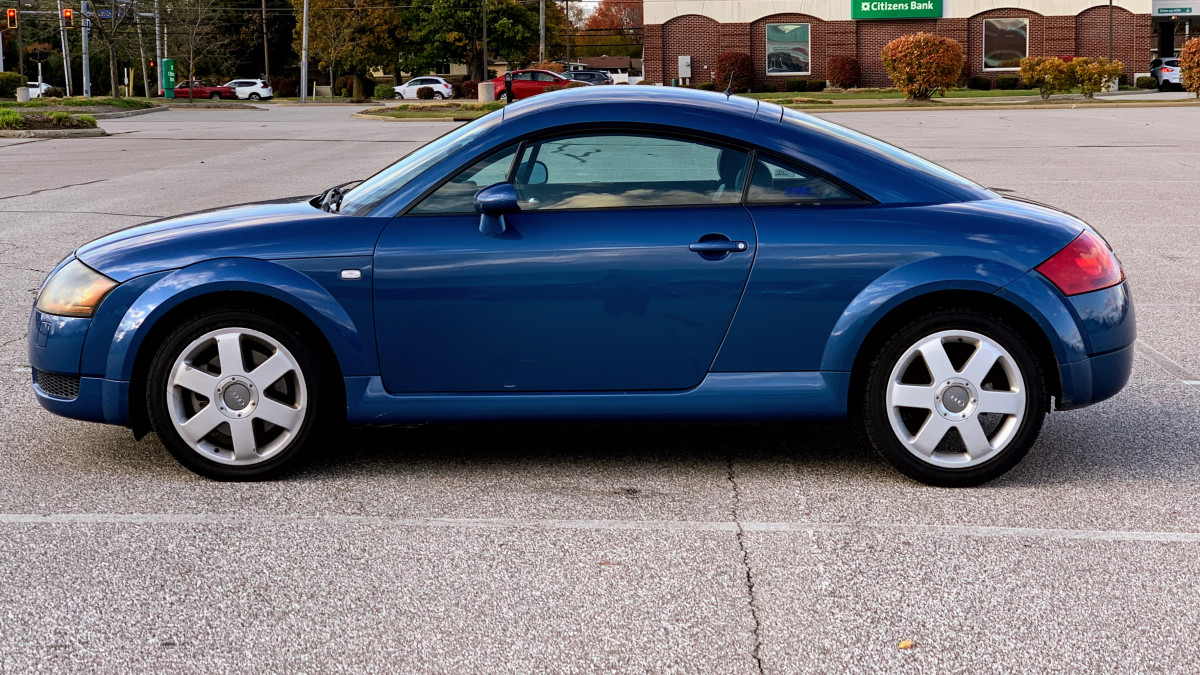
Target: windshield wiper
(331,199)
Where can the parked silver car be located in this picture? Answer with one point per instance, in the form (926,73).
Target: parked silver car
(1165,72)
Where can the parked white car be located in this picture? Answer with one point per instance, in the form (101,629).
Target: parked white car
(36,92)
(441,88)
(255,90)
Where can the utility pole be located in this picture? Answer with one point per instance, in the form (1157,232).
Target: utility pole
(542,30)
(568,64)
(66,53)
(484,76)
(266,51)
(158,46)
(137,17)
(304,59)
(87,52)
(1110,30)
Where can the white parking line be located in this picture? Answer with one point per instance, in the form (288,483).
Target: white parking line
(896,529)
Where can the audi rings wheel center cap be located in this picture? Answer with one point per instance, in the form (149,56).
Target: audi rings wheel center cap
(956,400)
(236,397)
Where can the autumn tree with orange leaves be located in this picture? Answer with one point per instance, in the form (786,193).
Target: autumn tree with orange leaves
(614,28)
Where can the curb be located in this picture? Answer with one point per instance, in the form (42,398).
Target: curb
(383,118)
(1036,106)
(127,113)
(201,106)
(52,133)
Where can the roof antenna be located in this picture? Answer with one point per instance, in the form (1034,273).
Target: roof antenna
(729,87)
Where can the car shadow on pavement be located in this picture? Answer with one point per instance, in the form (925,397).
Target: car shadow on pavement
(371,451)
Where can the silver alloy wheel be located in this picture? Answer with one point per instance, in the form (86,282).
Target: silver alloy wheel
(237,415)
(989,382)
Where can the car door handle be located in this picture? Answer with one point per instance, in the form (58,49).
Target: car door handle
(717,246)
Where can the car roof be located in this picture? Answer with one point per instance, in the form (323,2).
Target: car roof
(887,173)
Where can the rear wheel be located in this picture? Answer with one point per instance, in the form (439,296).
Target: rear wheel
(438,96)
(255,97)
(954,398)
(215,96)
(235,395)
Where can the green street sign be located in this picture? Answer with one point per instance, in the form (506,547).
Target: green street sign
(1174,10)
(895,9)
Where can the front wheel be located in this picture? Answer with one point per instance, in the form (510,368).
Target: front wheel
(235,395)
(954,398)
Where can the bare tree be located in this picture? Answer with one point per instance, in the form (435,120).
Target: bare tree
(108,19)
(194,33)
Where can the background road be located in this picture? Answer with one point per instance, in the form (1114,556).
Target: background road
(737,549)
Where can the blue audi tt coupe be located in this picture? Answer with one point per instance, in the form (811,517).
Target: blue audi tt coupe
(599,253)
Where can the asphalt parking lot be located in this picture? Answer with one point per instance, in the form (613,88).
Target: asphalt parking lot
(562,549)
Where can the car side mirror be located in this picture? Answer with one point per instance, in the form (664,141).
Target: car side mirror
(532,174)
(492,203)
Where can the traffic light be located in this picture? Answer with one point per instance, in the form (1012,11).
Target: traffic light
(69,18)
(151,63)
(12,17)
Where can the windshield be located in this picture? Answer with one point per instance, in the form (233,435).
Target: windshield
(371,192)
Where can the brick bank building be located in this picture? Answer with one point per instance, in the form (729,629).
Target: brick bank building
(795,38)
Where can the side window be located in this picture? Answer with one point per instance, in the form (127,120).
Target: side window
(458,195)
(523,76)
(625,170)
(545,77)
(774,182)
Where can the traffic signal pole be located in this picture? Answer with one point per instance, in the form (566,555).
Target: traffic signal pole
(62,31)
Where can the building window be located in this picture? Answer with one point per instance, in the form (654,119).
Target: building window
(1005,43)
(788,49)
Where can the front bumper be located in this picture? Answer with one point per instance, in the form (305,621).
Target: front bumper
(56,345)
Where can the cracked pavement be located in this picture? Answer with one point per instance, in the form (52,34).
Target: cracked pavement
(606,547)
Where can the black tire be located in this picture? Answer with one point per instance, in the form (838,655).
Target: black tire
(255,97)
(318,418)
(874,410)
(438,96)
(215,96)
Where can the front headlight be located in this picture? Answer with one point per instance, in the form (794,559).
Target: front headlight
(75,290)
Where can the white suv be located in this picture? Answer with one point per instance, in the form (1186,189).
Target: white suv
(441,88)
(1165,72)
(255,90)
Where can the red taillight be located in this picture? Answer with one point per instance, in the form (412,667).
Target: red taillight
(1085,265)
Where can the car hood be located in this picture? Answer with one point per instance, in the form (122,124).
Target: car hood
(274,230)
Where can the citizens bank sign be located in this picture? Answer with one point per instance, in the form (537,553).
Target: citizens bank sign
(895,9)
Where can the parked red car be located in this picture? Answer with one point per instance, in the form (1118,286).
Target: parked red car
(200,90)
(531,82)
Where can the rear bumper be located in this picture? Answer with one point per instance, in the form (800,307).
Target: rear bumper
(1094,379)
(1107,321)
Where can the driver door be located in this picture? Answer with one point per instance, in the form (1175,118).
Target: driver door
(606,280)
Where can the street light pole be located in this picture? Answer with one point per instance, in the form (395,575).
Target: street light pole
(85,48)
(542,30)
(304,59)
(484,76)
